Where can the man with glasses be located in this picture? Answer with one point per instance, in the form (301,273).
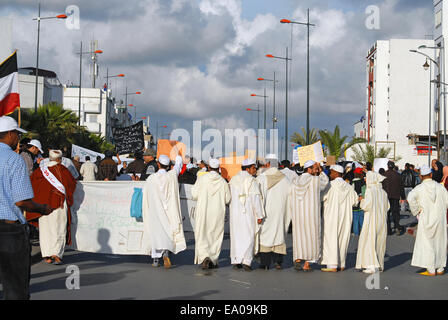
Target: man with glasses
(16,195)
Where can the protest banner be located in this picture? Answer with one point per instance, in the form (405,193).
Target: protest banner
(312,152)
(129,139)
(171,148)
(331,160)
(83,152)
(102,223)
(230,166)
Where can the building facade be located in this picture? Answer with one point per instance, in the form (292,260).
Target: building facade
(400,109)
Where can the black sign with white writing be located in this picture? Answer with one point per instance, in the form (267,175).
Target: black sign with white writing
(129,139)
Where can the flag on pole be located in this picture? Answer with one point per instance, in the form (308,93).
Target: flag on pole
(9,85)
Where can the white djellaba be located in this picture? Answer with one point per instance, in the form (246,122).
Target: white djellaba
(372,240)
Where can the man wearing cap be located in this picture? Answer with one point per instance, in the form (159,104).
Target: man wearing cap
(429,202)
(246,215)
(54,185)
(306,220)
(212,193)
(276,191)
(337,220)
(16,196)
(33,148)
(162,217)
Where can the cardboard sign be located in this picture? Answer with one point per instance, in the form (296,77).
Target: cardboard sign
(129,139)
(230,166)
(331,160)
(312,152)
(171,148)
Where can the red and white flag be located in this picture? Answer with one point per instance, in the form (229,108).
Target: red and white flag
(9,85)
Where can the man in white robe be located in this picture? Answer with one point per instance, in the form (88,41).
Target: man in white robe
(212,193)
(290,174)
(372,240)
(337,220)
(246,214)
(429,201)
(161,212)
(276,191)
(306,219)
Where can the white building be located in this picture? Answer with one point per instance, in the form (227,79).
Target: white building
(398,101)
(98,112)
(49,89)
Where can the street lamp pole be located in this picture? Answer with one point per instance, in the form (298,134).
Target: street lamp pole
(426,66)
(308,24)
(286,104)
(38,19)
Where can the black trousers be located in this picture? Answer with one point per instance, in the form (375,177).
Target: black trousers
(393,214)
(267,257)
(15,261)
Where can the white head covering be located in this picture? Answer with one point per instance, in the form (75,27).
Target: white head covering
(214,163)
(37,144)
(425,170)
(55,154)
(164,160)
(309,163)
(271,156)
(248,162)
(337,168)
(374,179)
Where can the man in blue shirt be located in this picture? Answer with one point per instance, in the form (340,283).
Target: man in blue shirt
(16,194)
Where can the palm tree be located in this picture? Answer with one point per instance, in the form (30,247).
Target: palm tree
(368,154)
(300,139)
(58,128)
(335,145)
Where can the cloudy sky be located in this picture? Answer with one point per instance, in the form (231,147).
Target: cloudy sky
(200,59)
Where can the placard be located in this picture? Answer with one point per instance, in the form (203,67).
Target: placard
(171,148)
(312,152)
(379,163)
(129,139)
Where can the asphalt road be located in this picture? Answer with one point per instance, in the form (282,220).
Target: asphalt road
(112,277)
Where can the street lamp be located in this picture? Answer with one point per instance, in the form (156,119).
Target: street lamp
(39,18)
(115,76)
(286,116)
(127,94)
(157,131)
(255,110)
(80,77)
(308,24)
(273,108)
(442,49)
(425,66)
(262,96)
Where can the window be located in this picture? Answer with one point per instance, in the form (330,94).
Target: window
(438,18)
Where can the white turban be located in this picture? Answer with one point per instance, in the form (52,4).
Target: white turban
(425,170)
(214,163)
(55,154)
(164,160)
(337,168)
(309,164)
(248,162)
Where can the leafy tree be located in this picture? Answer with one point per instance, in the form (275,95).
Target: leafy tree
(58,128)
(367,154)
(336,145)
(300,139)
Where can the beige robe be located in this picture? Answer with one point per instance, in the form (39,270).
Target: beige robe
(337,222)
(162,218)
(429,201)
(306,218)
(246,208)
(212,193)
(372,240)
(276,191)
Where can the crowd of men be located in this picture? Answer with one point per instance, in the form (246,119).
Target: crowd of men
(323,204)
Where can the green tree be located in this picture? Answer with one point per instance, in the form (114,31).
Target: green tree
(367,154)
(335,145)
(58,128)
(300,138)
